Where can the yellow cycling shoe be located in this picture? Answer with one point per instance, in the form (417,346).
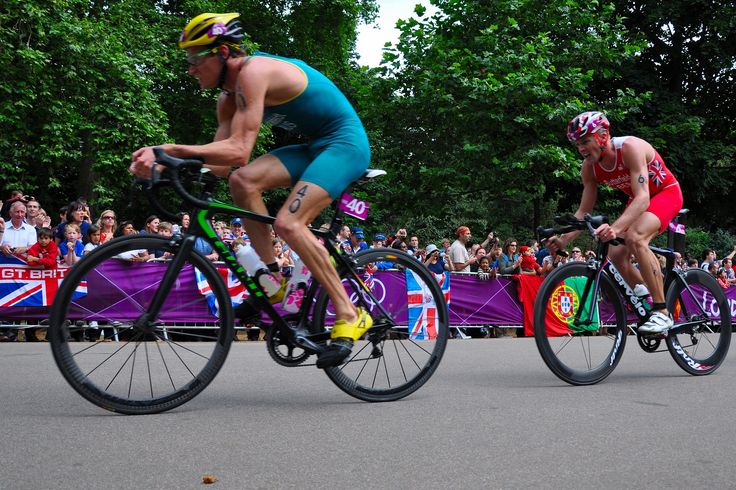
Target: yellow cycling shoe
(352,331)
(343,335)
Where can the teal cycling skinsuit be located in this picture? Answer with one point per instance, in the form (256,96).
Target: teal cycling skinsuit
(338,152)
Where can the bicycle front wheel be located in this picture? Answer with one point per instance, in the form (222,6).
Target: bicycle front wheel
(580,333)
(701,334)
(410,327)
(139,363)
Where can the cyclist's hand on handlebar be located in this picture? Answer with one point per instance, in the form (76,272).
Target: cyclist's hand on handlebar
(554,243)
(605,233)
(142,162)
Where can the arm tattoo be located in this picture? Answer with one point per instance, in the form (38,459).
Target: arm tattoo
(642,179)
(240,99)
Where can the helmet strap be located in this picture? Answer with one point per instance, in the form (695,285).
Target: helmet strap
(602,143)
(223,74)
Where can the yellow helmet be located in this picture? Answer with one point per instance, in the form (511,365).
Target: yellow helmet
(206,29)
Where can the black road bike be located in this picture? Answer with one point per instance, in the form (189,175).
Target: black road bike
(152,363)
(581,310)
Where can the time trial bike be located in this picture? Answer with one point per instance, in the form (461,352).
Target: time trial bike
(158,362)
(584,311)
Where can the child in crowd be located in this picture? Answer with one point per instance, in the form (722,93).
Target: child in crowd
(529,264)
(94,237)
(165,229)
(485,271)
(44,252)
(722,279)
(71,248)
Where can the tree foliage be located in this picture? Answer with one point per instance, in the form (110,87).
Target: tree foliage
(467,111)
(86,82)
(478,96)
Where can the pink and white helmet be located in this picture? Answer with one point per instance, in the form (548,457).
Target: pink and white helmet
(586,123)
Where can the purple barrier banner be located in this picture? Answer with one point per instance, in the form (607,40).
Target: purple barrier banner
(123,286)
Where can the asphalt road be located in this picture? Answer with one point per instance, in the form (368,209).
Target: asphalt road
(493,416)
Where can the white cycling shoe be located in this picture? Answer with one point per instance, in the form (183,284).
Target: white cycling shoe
(657,323)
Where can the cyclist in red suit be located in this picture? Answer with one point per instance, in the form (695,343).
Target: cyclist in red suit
(633,166)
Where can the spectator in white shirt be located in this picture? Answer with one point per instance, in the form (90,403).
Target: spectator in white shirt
(19,235)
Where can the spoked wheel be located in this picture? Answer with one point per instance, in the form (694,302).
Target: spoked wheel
(410,328)
(702,333)
(140,363)
(583,351)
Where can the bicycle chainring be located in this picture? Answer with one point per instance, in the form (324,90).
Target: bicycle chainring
(283,351)
(649,343)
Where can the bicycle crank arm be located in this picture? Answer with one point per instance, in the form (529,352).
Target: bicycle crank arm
(309,345)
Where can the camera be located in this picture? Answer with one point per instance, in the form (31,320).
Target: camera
(562,253)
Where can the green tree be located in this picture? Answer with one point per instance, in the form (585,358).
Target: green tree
(87,82)
(469,112)
(76,96)
(688,64)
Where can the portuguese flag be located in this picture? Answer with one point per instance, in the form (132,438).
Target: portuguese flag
(565,303)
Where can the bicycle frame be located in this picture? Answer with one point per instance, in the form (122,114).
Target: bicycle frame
(201,226)
(626,291)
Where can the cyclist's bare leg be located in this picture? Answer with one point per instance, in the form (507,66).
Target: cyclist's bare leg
(640,233)
(303,205)
(621,258)
(637,237)
(247,185)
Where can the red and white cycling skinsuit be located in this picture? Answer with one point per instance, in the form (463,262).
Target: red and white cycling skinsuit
(665,195)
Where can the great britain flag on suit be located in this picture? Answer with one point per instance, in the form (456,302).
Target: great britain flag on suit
(422,314)
(25,285)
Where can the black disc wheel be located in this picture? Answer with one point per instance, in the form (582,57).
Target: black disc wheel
(580,332)
(701,335)
(410,326)
(140,361)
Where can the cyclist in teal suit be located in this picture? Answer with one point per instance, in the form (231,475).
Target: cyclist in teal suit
(262,88)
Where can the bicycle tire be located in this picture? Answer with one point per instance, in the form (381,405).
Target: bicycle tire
(577,354)
(173,369)
(699,350)
(388,364)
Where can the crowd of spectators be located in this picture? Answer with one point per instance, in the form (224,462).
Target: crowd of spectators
(27,231)
(24,223)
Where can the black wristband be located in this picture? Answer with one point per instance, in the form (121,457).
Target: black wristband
(273,267)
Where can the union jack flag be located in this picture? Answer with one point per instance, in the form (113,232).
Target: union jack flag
(422,311)
(25,285)
(368,278)
(657,173)
(235,288)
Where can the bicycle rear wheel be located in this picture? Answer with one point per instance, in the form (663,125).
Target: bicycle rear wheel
(139,365)
(579,353)
(702,332)
(406,343)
